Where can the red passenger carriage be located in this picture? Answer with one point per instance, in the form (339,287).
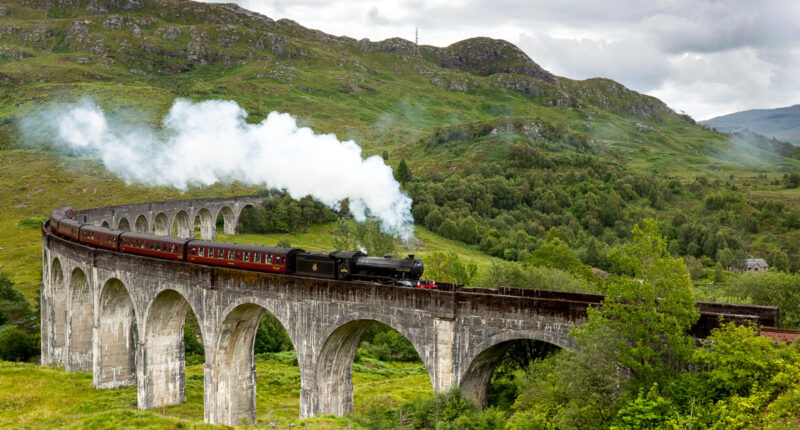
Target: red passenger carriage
(100,236)
(153,246)
(263,258)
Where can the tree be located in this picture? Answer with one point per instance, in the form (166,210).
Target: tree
(403,173)
(344,237)
(367,236)
(719,273)
(371,237)
(779,260)
(271,336)
(557,255)
(643,323)
(447,267)
(14,308)
(793,180)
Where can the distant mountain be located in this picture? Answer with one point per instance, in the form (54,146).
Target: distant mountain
(781,123)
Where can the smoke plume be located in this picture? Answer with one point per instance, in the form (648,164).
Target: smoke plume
(209,142)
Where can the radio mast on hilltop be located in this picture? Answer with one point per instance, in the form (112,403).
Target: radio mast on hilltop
(416,35)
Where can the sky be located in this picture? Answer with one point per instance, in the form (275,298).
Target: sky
(702,57)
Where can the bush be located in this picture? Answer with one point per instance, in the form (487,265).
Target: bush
(509,274)
(389,345)
(15,345)
(448,267)
(32,222)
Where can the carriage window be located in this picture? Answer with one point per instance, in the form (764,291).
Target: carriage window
(246,256)
(257,257)
(269,258)
(230,255)
(158,246)
(194,251)
(220,253)
(172,249)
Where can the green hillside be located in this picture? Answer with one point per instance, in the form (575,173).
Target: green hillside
(385,95)
(500,151)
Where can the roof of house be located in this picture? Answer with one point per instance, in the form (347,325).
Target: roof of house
(757,262)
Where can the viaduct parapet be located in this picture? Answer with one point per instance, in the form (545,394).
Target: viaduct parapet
(121,317)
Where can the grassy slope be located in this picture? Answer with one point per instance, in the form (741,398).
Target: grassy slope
(34,397)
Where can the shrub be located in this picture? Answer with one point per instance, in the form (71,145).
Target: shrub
(32,222)
(15,345)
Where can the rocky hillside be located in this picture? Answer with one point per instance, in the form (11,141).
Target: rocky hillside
(46,43)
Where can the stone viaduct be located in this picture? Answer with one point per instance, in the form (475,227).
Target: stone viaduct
(121,317)
(159,217)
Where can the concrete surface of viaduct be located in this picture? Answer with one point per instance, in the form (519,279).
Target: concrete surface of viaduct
(121,317)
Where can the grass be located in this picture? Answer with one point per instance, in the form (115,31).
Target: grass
(34,397)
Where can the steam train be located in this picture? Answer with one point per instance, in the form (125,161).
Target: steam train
(341,265)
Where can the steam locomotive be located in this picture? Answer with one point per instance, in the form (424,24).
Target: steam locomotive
(342,265)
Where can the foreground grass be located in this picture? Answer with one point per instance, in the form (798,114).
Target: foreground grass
(34,397)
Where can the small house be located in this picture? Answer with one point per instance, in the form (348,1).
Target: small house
(756,265)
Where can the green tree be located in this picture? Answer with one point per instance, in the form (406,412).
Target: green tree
(344,237)
(14,308)
(643,323)
(271,336)
(403,173)
(447,267)
(373,239)
(557,255)
(719,273)
(779,260)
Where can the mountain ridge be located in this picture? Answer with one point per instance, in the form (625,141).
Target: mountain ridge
(781,123)
(386,95)
(76,23)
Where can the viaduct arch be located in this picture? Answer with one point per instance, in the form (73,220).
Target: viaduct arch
(122,316)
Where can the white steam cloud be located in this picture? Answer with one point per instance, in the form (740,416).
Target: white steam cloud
(209,142)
